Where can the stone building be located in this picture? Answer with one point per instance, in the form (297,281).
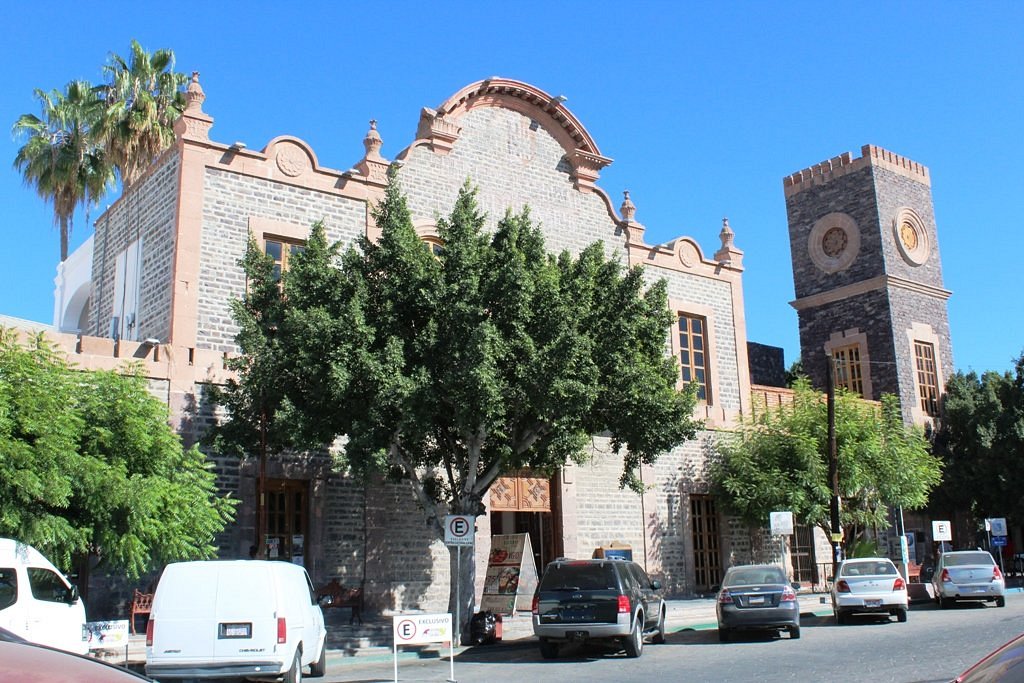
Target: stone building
(164,266)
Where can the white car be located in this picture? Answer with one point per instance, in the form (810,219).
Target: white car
(869,585)
(968,575)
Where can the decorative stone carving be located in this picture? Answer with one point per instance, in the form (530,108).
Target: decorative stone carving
(911,237)
(834,242)
(688,254)
(628,209)
(441,131)
(728,255)
(373,166)
(193,123)
(292,160)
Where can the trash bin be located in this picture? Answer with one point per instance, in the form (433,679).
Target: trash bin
(484,628)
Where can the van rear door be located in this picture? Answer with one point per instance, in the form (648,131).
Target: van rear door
(184,613)
(246,617)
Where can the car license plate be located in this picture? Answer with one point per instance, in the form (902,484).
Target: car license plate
(235,631)
(756,599)
(872,603)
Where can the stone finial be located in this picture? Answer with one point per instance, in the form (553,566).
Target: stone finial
(729,256)
(194,95)
(373,142)
(628,209)
(726,235)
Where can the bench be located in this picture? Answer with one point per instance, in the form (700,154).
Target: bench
(340,596)
(142,603)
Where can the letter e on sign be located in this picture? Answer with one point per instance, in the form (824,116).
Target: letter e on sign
(459,530)
(941,531)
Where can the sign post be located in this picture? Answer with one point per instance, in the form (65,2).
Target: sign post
(458,533)
(423,629)
(998,540)
(782,525)
(942,532)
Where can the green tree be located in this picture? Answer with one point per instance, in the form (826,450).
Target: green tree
(60,156)
(143,98)
(982,443)
(779,461)
(89,465)
(450,371)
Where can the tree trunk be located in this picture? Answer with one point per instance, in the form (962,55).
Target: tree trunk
(462,591)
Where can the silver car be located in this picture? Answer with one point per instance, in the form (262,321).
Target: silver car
(869,585)
(968,575)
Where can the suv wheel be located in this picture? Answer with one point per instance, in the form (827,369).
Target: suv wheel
(1001,601)
(659,635)
(635,641)
(548,649)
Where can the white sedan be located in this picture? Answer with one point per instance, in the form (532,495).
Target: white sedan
(868,585)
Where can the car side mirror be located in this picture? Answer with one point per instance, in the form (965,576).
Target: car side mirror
(71,596)
(656,585)
(325,601)
(795,585)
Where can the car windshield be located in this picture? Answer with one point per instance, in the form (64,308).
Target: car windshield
(745,576)
(962,559)
(868,569)
(579,577)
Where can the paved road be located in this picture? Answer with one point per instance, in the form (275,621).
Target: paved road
(934,645)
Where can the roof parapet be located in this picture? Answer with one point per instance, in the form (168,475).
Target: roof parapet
(871,155)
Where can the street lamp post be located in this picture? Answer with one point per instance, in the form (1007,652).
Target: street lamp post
(833,461)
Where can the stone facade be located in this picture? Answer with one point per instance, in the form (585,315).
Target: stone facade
(200,202)
(867,270)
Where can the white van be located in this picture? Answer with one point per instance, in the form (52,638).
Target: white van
(235,618)
(37,602)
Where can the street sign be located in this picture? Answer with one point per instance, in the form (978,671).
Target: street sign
(422,629)
(942,531)
(781,523)
(998,526)
(458,530)
(998,541)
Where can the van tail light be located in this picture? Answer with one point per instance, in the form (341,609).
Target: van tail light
(624,604)
(996,574)
(842,586)
(149,633)
(724,597)
(535,607)
(788,594)
(945,576)
(899,585)
(282,631)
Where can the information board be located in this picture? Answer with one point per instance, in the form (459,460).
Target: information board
(511,575)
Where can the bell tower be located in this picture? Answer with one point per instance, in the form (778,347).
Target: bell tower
(868,278)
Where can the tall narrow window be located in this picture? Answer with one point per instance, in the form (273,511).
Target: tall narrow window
(281,250)
(927,377)
(693,360)
(707,558)
(848,373)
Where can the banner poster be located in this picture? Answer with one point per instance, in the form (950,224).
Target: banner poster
(511,575)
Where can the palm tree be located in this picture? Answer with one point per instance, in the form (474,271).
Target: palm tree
(60,157)
(144,96)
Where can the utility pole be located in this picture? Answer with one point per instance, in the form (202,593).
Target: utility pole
(833,461)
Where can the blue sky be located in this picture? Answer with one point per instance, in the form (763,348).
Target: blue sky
(703,106)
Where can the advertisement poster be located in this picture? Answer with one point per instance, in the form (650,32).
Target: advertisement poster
(511,575)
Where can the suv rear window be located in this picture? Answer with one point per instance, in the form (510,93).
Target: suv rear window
(579,577)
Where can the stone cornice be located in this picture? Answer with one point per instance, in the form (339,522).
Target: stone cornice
(864,286)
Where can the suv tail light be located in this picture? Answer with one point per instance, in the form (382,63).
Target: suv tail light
(282,631)
(899,585)
(535,607)
(842,586)
(788,594)
(724,597)
(996,574)
(149,633)
(624,604)
(945,576)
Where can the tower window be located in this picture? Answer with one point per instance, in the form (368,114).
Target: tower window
(693,359)
(848,372)
(927,377)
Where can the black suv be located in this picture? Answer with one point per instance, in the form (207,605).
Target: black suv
(607,599)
